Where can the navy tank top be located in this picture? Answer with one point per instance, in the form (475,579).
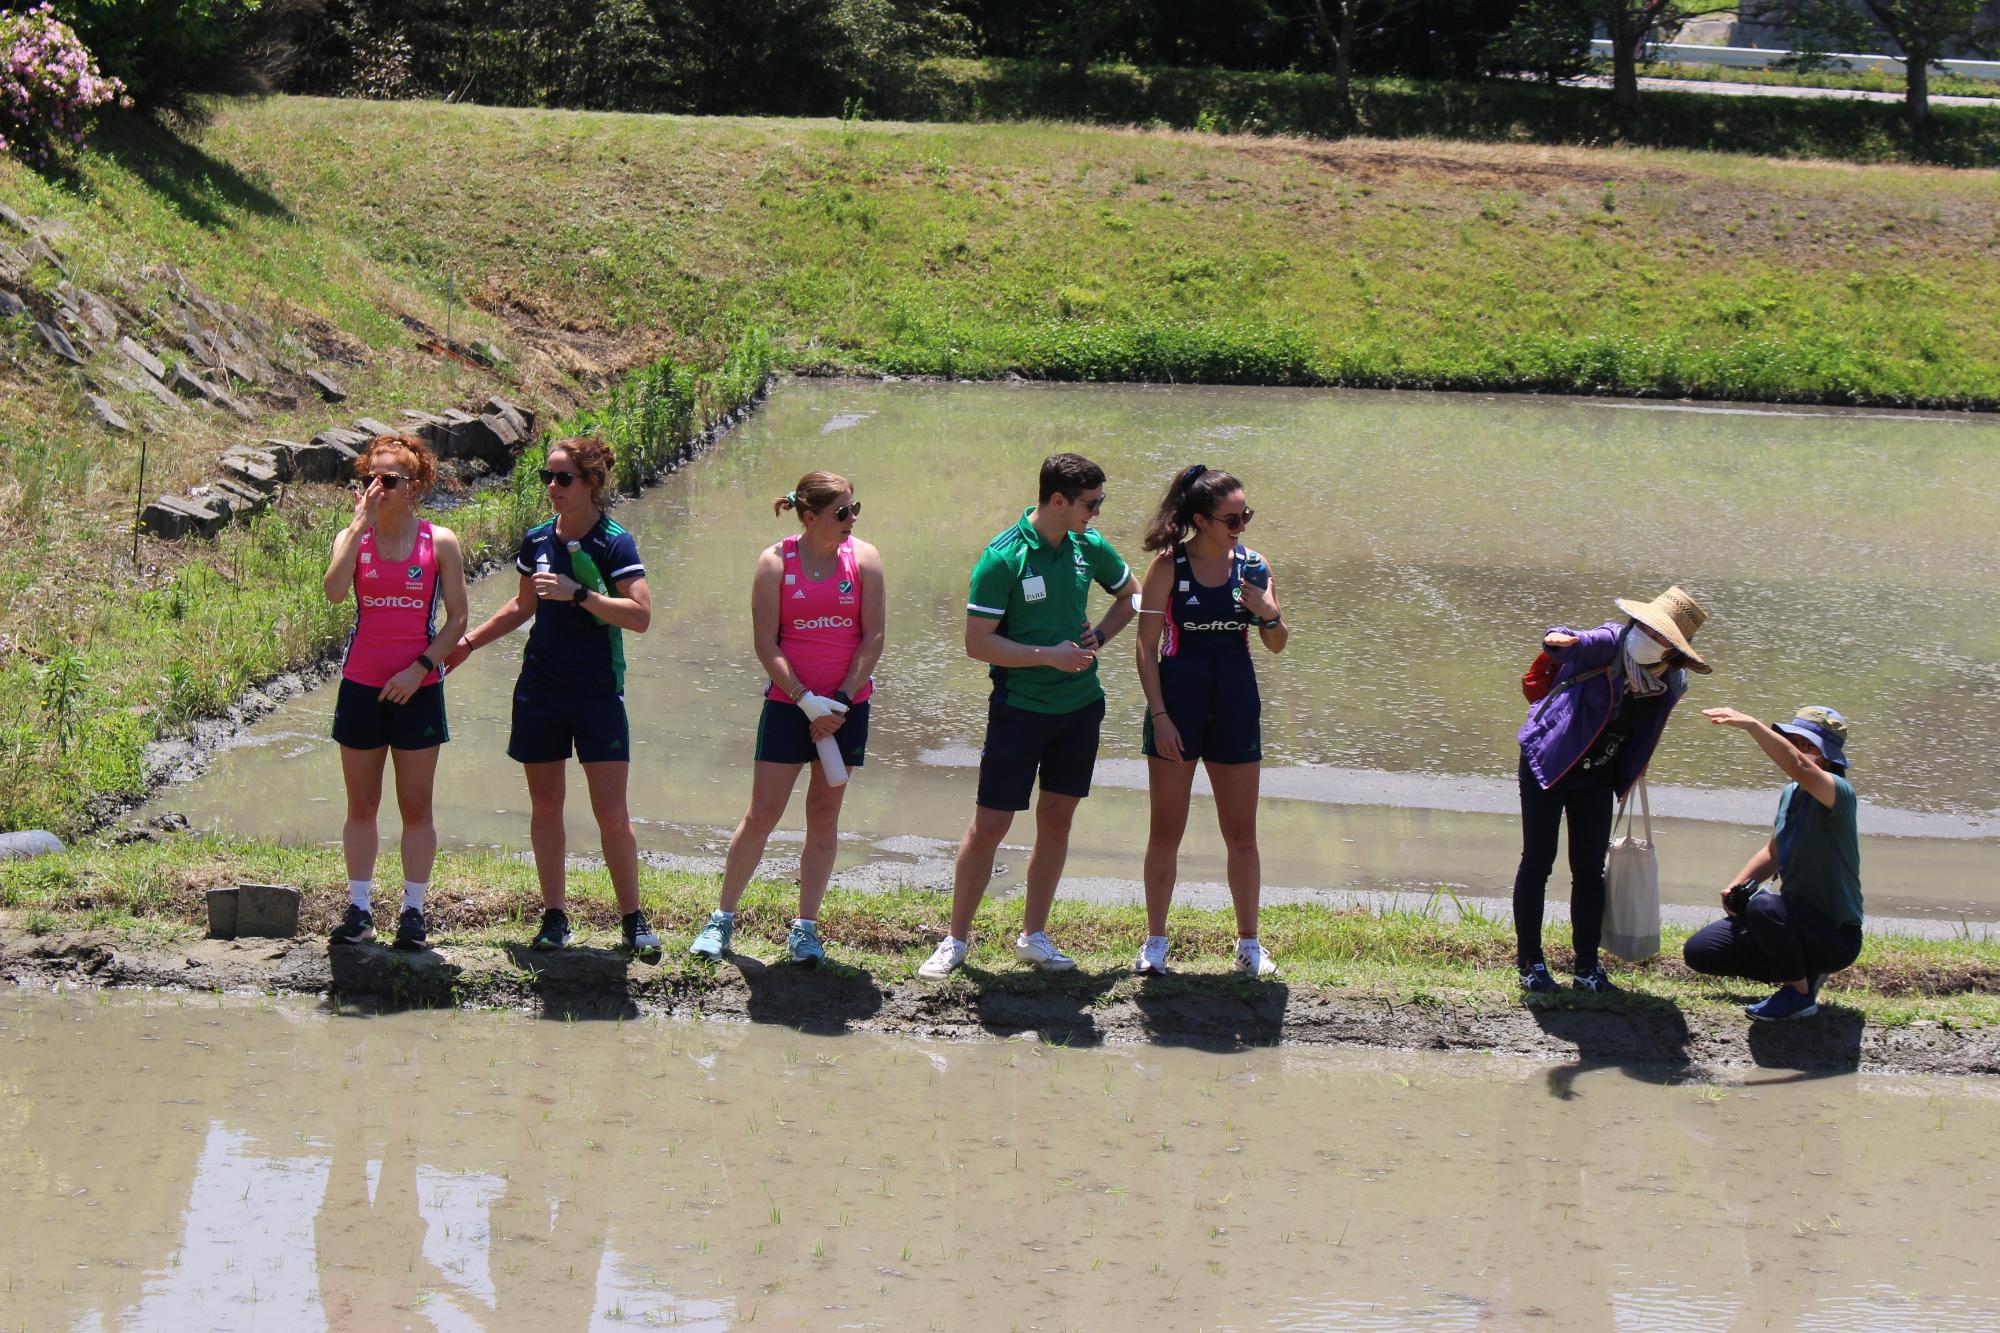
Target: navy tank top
(1204,621)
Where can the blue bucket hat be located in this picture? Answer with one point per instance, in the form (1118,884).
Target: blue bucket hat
(1823,728)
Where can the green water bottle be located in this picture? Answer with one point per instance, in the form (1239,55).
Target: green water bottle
(584,570)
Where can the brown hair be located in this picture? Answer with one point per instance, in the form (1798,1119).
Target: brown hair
(594,461)
(1194,490)
(1070,475)
(422,462)
(815,491)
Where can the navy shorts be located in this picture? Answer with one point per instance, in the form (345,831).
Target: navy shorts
(548,722)
(1214,704)
(1062,746)
(784,735)
(362,720)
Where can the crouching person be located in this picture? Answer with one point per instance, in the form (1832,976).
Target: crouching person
(1810,928)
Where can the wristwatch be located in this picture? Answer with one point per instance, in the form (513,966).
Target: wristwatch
(425,658)
(581,593)
(1272,623)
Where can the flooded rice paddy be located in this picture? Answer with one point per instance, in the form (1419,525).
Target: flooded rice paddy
(1421,542)
(214,1163)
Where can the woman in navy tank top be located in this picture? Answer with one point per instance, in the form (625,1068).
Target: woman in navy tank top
(1204,594)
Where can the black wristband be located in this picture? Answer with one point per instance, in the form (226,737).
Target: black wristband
(581,593)
(840,696)
(425,658)
(1272,623)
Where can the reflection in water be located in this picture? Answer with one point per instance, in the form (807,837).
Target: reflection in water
(1422,542)
(276,1167)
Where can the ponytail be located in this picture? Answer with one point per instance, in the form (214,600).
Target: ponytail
(1194,490)
(815,491)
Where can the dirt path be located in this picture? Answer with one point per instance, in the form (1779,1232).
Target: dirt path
(1632,1030)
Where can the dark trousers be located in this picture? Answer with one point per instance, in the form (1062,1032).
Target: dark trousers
(1585,796)
(1775,940)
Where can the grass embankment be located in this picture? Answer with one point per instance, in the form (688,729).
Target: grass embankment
(1490,111)
(1081,253)
(488,901)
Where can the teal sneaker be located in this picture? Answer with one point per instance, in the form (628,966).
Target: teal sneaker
(713,942)
(804,945)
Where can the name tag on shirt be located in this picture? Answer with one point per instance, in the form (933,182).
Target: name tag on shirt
(1033,588)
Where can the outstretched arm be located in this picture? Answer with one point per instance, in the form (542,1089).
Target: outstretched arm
(1794,765)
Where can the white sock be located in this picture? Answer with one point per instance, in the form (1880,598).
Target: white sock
(1151,940)
(730,917)
(358,891)
(413,893)
(806,921)
(1246,945)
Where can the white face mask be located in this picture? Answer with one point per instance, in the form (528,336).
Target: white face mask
(1644,649)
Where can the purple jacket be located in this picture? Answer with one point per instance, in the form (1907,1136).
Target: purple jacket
(1561,728)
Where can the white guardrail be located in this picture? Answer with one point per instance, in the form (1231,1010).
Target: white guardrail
(1752,57)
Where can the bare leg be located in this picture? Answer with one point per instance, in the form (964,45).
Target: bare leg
(545,829)
(1236,811)
(361,771)
(974,870)
(822,842)
(607,780)
(416,777)
(1171,781)
(770,791)
(1053,815)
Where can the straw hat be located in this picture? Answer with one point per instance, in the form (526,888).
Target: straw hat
(1674,616)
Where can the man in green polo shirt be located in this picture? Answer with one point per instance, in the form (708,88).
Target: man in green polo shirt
(1028,617)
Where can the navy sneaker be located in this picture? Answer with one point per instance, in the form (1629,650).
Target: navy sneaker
(1595,982)
(357,927)
(638,937)
(1537,981)
(1787,1003)
(553,933)
(410,933)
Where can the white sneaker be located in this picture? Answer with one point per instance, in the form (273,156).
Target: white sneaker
(945,961)
(1252,960)
(1040,951)
(1152,957)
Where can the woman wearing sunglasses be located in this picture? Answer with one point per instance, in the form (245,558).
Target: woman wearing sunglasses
(1203,595)
(583,585)
(816,612)
(391,699)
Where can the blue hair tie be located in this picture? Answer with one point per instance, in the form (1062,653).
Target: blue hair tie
(1188,477)
(792,499)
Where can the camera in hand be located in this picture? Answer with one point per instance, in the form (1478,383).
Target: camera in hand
(1738,897)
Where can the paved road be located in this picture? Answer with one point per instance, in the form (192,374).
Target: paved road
(1776,90)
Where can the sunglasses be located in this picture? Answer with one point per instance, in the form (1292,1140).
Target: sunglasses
(847,511)
(1234,522)
(1092,505)
(389,480)
(559,478)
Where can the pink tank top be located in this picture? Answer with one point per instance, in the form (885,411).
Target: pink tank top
(819,624)
(396,615)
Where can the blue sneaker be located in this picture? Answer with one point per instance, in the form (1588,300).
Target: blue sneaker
(1787,1003)
(1537,981)
(713,942)
(1595,982)
(806,950)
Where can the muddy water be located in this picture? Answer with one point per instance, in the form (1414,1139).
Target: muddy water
(177,1163)
(1421,542)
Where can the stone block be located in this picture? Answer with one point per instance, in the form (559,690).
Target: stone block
(477,438)
(59,343)
(11,305)
(353,439)
(522,420)
(140,357)
(257,473)
(267,911)
(284,456)
(140,382)
(16,221)
(222,905)
(107,415)
(327,460)
(244,499)
(415,419)
(239,370)
(325,386)
(92,309)
(197,346)
(187,386)
(176,516)
(507,429)
(370,427)
(486,354)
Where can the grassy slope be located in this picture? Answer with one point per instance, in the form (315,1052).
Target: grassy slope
(1093,253)
(480,899)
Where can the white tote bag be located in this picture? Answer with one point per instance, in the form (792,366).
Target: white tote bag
(1632,887)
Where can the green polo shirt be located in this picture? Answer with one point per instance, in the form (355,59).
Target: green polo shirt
(1040,594)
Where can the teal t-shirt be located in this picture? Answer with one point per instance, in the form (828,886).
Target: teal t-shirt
(1819,851)
(1040,594)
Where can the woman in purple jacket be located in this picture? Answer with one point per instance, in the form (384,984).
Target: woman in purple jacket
(1582,748)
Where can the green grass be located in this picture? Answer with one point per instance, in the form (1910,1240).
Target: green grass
(484,900)
(1867,80)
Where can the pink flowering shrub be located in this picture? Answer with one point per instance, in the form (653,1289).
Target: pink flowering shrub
(50,88)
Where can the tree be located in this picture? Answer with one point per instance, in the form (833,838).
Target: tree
(1631,24)
(1549,39)
(1342,23)
(1925,31)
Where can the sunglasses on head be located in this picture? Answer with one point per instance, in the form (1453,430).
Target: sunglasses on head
(559,478)
(1234,522)
(389,480)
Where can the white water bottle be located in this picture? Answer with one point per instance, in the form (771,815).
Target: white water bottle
(831,764)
